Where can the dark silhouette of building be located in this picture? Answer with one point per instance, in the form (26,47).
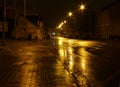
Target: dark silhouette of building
(108,26)
(11,14)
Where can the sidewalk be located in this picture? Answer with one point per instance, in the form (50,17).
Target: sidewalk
(29,64)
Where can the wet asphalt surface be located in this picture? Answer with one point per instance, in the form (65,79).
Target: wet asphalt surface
(92,63)
(25,64)
(60,63)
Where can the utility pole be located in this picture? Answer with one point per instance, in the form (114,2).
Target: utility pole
(3,24)
(15,12)
(89,15)
(24,8)
(24,14)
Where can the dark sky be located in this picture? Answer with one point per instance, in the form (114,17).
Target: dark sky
(54,10)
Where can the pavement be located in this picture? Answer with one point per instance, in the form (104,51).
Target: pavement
(36,64)
(32,64)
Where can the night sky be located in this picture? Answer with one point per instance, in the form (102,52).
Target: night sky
(54,10)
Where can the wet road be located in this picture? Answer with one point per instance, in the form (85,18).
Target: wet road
(32,64)
(60,63)
(91,63)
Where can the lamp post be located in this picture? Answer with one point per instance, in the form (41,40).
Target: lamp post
(89,14)
(15,12)
(82,7)
(24,14)
(3,24)
(70,14)
(24,8)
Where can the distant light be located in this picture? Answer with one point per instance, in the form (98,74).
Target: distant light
(82,7)
(61,24)
(70,14)
(53,33)
(65,21)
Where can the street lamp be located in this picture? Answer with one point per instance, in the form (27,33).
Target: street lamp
(82,6)
(65,21)
(70,14)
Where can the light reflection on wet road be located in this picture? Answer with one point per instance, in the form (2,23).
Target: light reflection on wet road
(41,69)
(60,62)
(86,61)
(34,65)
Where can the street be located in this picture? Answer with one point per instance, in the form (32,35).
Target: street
(92,63)
(60,62)
(32,64)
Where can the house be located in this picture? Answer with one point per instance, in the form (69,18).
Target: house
(19,27)
(26,30)
(39,22)
(108,23)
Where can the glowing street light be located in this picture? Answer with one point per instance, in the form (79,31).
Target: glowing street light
(61,24)
(65,21)
(70,14)
(82,7)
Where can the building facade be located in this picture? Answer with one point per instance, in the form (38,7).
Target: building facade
(108,23)
(26,30)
